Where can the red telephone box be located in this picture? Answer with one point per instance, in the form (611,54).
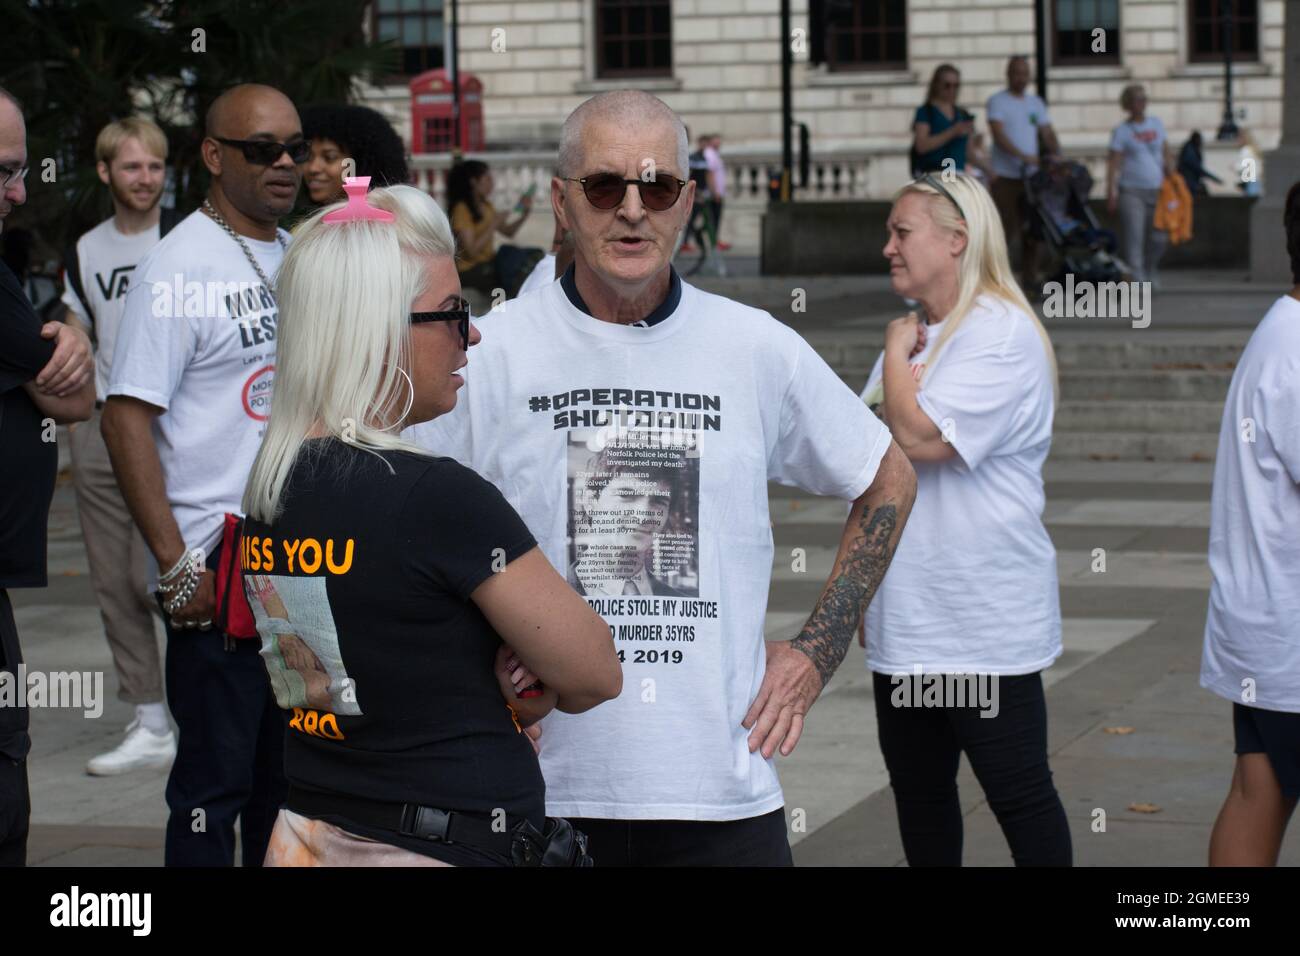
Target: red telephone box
(431,107)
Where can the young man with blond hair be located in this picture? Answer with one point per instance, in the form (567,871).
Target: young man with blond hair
(131,157)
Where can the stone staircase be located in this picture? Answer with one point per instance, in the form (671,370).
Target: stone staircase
(1126,394)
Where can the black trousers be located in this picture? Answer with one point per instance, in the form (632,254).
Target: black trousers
(229,753)
(15,801)
(15,811)
(922,747)
(756,841)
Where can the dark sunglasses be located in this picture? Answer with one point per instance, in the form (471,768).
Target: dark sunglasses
(931,181)
(606,190)
(264,152)
(460,315)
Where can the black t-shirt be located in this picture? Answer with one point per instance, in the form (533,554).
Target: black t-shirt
(28,465)
(375,651)
(27,447)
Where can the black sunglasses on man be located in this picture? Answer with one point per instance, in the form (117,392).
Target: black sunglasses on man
(265,152)
(606,190)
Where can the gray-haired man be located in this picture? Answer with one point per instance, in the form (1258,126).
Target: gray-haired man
(620,354)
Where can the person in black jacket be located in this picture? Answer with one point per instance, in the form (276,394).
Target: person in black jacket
(46,378)
(1191,166)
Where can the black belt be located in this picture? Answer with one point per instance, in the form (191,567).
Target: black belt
(410,819)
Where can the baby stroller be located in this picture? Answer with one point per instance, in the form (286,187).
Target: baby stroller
(1057,196)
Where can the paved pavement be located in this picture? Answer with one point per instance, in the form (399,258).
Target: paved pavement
(1132,654)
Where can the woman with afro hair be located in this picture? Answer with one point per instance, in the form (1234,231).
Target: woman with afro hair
(339,132)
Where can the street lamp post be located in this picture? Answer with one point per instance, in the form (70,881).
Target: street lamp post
(787,106)
(453,74)
(1228,130)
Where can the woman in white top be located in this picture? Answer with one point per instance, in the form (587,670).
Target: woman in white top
(968,615)
(1136,168)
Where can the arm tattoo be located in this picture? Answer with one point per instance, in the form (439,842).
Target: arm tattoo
(826,636)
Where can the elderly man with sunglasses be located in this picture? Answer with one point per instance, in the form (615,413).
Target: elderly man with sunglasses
(188,398)
(623,357)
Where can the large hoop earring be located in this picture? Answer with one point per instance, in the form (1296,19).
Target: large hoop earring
(410,402)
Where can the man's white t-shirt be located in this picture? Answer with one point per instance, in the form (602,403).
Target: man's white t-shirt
(973,584)
(198,341)
(1021,117)
(1143,148)
(1252,630)
(106,260)
(581,423)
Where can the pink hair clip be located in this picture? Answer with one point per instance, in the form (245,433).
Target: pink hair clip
(357,207)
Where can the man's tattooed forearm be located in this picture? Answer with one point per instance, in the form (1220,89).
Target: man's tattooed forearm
(826,636)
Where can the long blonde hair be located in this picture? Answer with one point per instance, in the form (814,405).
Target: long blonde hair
(344,292)
(983,267)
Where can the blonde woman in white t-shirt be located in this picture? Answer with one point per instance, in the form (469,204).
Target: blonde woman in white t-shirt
(968,615)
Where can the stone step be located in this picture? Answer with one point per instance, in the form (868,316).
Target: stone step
(1152,353)
(1100,385)
(1135,446)
(1138,416)
(1199,385)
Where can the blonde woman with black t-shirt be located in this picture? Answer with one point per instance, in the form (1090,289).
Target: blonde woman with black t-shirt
(405,610)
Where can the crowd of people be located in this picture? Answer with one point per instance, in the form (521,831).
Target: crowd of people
(447,590)
(1142,174)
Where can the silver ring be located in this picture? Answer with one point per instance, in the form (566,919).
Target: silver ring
(203,625)
(190,625)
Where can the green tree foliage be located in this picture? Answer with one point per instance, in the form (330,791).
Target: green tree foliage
(79,64)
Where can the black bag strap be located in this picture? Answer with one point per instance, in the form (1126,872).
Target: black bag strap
(168,219)
(72,276)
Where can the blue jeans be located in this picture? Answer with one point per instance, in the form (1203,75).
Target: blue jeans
(922,747)
(230,748)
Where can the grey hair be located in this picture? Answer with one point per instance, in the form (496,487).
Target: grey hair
(628,109)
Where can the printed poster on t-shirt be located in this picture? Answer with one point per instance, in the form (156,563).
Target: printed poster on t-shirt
(300,644)
(632,476)
(634,512)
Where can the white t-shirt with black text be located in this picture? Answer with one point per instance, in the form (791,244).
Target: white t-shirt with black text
(106,260)
(973,584)
(1021,118)
(1252,630)
(198,341)
(639,458)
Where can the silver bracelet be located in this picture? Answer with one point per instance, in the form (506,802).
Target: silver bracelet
(188,558)
(173,602)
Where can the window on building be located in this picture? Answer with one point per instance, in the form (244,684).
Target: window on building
(1076,41)
(858,34)
(415,27)
(633,38)
(1205,29)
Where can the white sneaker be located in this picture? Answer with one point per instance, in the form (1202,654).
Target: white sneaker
(141,748)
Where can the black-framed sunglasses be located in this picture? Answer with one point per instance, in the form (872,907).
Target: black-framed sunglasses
(931,181)
(265,152)
(459,315)
(606,190)
(8,174)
